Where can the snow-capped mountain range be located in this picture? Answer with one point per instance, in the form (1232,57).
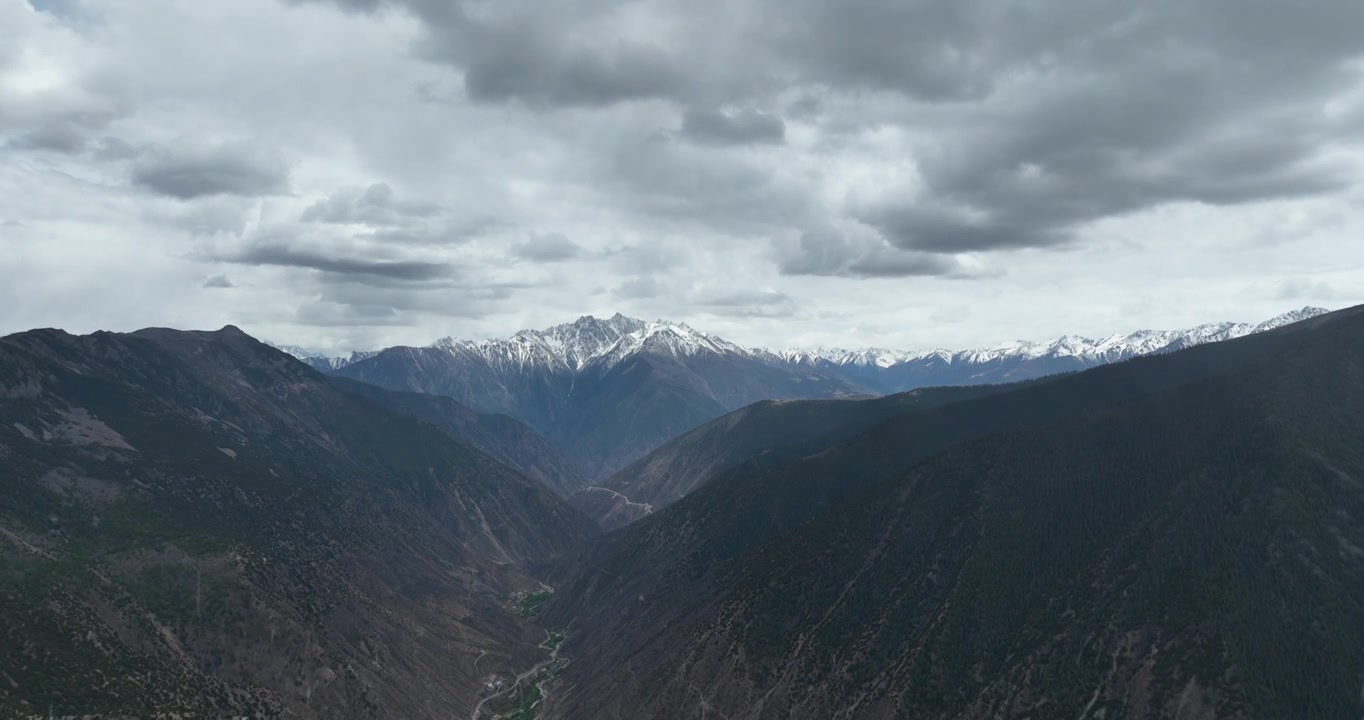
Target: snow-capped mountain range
(573,346)
(321,361)
(607,390)
(1109,349)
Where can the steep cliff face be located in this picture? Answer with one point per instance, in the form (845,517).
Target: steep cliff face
(197,523)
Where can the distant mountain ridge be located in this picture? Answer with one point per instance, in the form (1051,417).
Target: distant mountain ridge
(321,361)
(570,346)
(1109,349)
(606,391)
(603,390)
(589,339)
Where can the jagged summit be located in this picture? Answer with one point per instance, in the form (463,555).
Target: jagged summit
(573,346)
(568,346)
(669,339)
(588,337)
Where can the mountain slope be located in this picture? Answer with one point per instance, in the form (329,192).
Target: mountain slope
(619,410)
(1172,536)
(676,468)
(502,437)
(759,435)
(196,523)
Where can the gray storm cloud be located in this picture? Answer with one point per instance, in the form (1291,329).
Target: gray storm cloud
(224,169)
(547,247)
(741,127)
(363,270)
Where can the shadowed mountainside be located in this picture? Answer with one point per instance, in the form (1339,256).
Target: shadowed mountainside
(196,523)
(1174,536)
(762,434)
(504,438)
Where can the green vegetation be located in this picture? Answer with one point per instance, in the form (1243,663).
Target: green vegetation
(553,641)
(129,525)
(530,603)
(526,701)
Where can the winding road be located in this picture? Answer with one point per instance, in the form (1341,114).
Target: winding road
(553,657)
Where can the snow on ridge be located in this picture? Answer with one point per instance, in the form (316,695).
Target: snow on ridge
(315,358)
(588,340)
(1108,349)
(667,338)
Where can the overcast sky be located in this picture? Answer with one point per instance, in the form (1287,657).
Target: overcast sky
(349,174)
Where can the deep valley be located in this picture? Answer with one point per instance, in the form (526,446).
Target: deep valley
(196,523)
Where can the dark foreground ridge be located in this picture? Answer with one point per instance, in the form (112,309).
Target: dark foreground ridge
(195,523)
(1174,536)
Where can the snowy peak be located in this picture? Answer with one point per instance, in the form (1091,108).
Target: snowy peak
(322,361)
(573,346)
(586,338)
(669,339)
(1289,318)
(523,349)
(878,357)
(563,347)
(1086,350)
